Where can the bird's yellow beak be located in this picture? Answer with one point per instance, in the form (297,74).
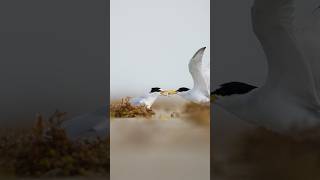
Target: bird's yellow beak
(168,92)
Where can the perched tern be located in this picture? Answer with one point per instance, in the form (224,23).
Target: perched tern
(289,101)
(95,124)
(148,99)
(200,93)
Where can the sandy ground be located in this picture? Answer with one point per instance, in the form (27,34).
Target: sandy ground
(244,152)
(226,130)
(159,148)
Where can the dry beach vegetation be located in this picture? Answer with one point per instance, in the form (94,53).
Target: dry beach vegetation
(124,109)
(46,151)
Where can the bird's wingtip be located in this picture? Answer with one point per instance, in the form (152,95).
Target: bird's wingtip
(201,50)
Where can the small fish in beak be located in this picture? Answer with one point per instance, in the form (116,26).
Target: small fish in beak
(168,92)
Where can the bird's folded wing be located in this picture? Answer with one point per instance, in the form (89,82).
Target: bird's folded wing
(289,71)
(196,71)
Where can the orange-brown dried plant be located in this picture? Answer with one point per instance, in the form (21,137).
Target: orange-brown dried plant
(124,109)
(45,150)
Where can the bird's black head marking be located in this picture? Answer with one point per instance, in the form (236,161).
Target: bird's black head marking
(231,88)
(155,89)
(183,89)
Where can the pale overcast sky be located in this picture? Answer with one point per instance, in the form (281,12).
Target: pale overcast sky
(152,42)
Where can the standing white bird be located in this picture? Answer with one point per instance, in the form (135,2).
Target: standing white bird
(148,99)
(200,93)
(95,124)
(289,101)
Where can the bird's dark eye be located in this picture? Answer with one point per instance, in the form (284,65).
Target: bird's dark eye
(155,89)
(183,89)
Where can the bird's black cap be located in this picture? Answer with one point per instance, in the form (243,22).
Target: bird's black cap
(183,89)
(155,89)
(231,88)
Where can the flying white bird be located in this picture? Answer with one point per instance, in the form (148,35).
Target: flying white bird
(147,99)
(289,101)
(200,93)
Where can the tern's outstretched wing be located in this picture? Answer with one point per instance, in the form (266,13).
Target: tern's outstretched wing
(196,71)
(289,70)
(91,124)
(309,40)
(206,70)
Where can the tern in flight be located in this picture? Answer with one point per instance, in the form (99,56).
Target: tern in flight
(289,101)
(200,93)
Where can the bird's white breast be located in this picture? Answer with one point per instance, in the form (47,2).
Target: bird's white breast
(280,112)
(196,97)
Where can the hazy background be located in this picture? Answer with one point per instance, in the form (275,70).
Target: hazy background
(53,54)
(237,55)
(152,42)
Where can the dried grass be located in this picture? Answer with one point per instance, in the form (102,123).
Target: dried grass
(45,150)
(197,113)
(124,109)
